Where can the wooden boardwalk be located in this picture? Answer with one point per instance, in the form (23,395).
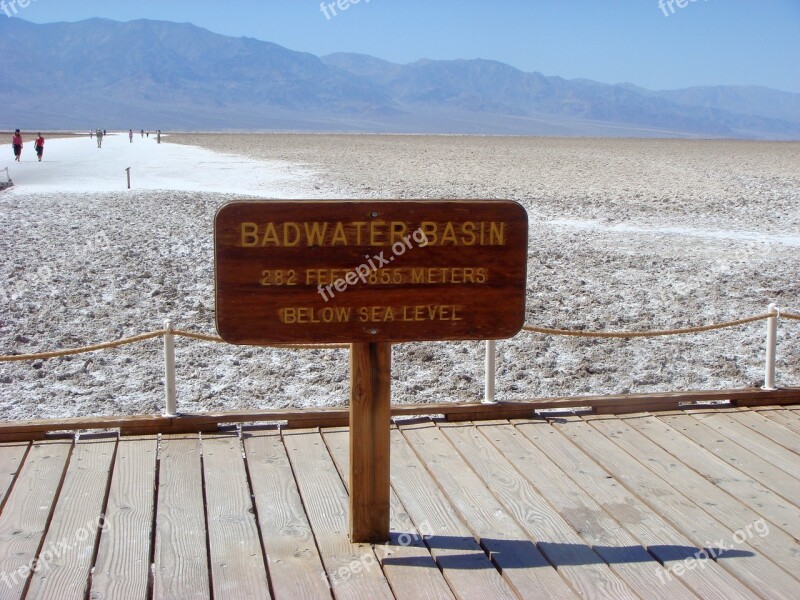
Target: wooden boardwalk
(699,503)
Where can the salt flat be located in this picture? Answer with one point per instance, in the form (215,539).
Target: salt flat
(624,235)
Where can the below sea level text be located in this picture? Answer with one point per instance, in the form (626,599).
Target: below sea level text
(308,315)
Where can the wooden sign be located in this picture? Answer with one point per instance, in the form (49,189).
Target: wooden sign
(370,271)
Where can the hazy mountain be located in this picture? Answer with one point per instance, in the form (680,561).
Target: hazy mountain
(152,74)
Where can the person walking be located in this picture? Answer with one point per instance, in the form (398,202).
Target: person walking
(130,135)
(39,146)
(16,141)
(99,134)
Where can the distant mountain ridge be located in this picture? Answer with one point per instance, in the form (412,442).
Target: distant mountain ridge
(155,74)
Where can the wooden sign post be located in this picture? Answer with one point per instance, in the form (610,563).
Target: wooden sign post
(370,273)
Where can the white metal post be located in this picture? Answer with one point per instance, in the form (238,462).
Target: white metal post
(491,353)
(169,370)
(772,341)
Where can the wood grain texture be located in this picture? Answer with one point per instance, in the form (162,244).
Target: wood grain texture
(237,561)
(594,527)
(624,404)
(24,520)
(466,567)
(260,276)
(181,554)
(769,429)
(724,423)
(785,418)
(778,546)
(662,540)
(295,567)
(76,523)
(741,457)
(122,569)
(757,497)
(352,569)
(370,397)
(11,456)
(560,544)
(405,559)
(752,568)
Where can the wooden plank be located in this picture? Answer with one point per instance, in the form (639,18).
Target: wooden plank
(663,541)
(12,456)
(471,488)
(122,569)
(755,570)
(769,429)
(777,545)
(370,397)
(238,569)
(181,554)
(464,564)
(352,569)
(724,423)
(152,424)
(26,516)
(77,520)
(786,418)
(594,527)
(294,564)
(405,559)
(743,459)
(718,472)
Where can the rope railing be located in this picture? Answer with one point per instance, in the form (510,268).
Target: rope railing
(648,334)
(529,328)
(168,334)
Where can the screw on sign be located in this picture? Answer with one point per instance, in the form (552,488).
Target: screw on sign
(370,273)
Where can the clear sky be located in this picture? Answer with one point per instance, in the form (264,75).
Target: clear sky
(704,42)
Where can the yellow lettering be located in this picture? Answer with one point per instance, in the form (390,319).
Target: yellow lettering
(315,234)
(398,231)
(249,235)
(468,229)
(270,236)
(449,235)
(430,229)
(359,225)
(497,234)
(288,230)
(376,232)
(339,235)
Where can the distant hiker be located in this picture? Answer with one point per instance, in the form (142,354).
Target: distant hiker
(148,134)
(142,133)
(16,141)
(105,132)
(99,134)
(39,145)
(91,134)
(159,136)
(130,135)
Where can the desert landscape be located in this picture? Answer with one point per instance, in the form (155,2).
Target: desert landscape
(625,235)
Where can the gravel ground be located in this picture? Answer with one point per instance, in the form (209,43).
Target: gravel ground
(625,235)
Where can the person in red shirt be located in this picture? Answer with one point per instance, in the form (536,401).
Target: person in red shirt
(39,145)
(16,141)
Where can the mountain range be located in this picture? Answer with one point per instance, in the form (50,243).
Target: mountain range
(176,76)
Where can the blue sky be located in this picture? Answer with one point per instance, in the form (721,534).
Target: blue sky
(705,42)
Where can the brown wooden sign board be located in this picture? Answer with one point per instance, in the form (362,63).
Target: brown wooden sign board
(370,271)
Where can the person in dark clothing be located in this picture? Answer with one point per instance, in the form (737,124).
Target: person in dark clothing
(16,141)
(39,145)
